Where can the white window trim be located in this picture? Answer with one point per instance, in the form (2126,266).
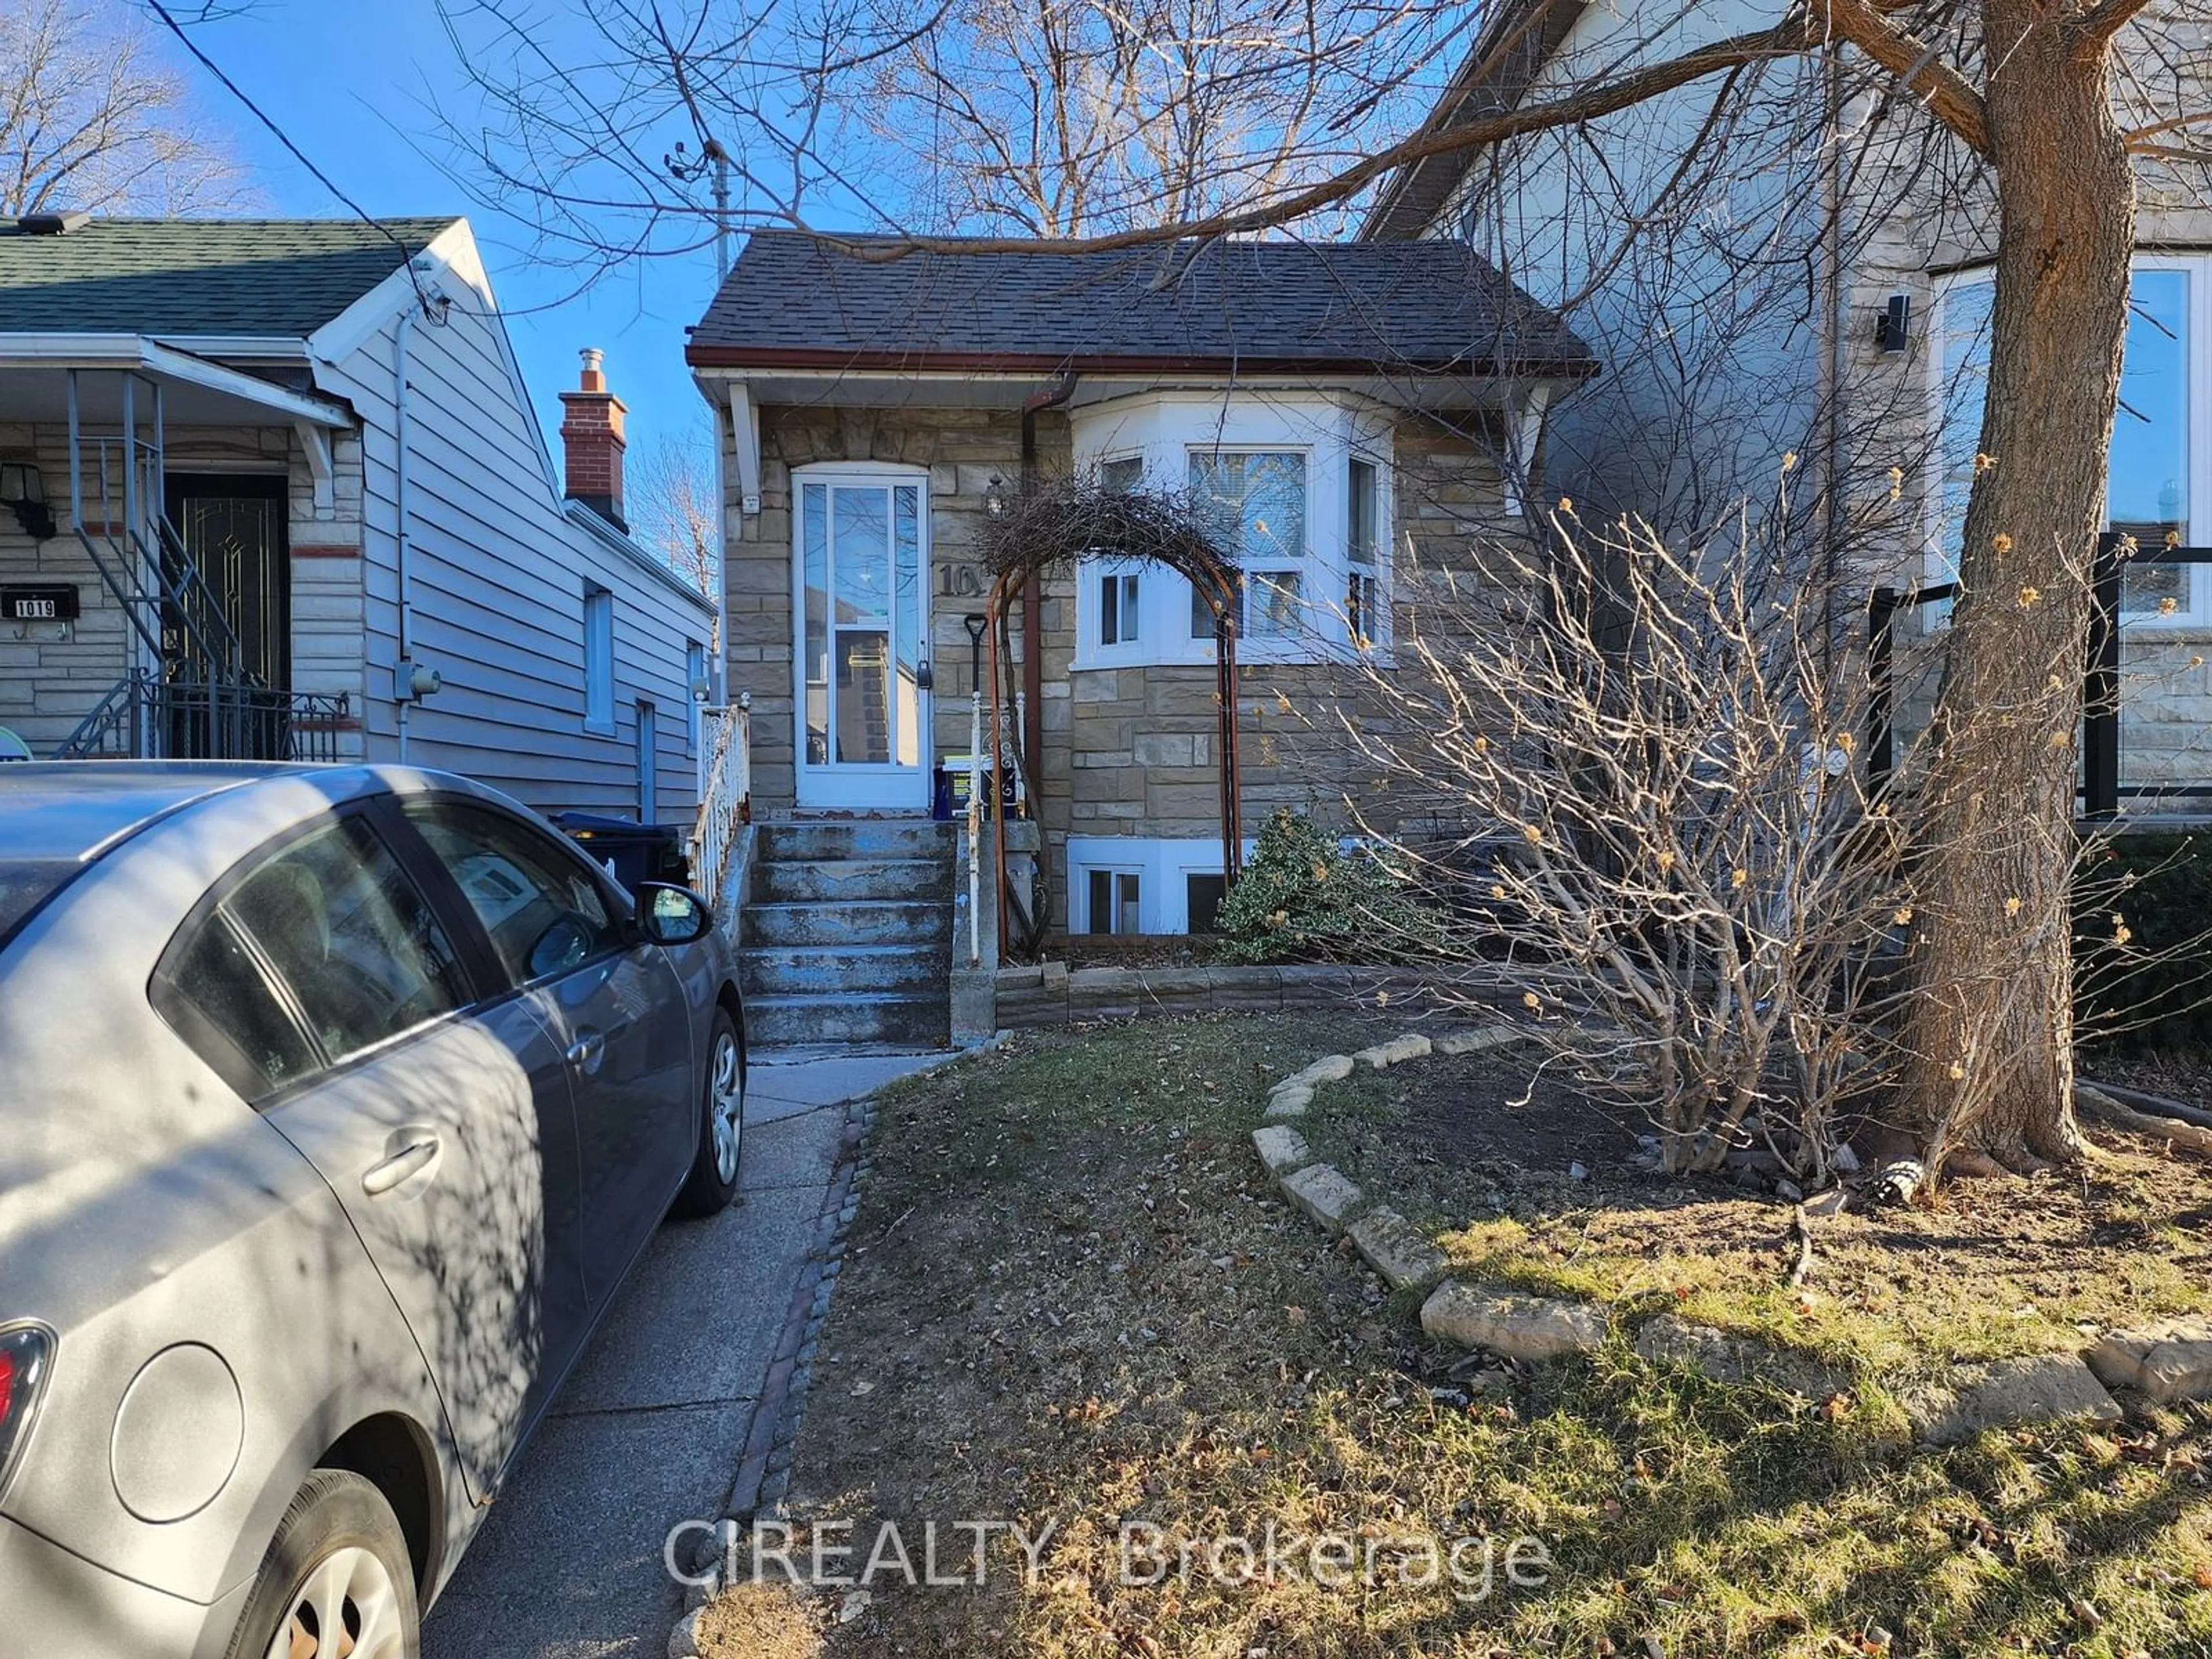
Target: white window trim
(2197,613)
(1163,430)
(1161,864)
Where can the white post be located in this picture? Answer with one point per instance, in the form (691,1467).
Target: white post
(975,827)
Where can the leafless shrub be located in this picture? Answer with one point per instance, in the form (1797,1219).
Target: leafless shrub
(1688,885)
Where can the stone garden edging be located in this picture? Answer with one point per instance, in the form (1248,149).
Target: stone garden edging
(2166,1362)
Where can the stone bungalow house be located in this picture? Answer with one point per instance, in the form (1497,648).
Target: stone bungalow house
(1820,284)
(1356,418)
(275,490)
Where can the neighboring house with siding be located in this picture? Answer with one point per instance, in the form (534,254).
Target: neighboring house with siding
(1797,273)
(1354,422)
(297,504)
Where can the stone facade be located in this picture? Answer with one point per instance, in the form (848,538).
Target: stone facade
(1127,750)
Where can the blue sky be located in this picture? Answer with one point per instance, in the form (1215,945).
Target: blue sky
(355,87)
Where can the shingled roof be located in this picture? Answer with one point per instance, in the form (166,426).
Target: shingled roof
(279,277)
(1437,307)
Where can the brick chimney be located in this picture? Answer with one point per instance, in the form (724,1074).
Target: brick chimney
(592,435)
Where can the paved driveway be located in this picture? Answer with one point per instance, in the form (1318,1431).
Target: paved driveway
(649,1428)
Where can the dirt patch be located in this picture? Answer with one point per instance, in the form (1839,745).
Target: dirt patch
(1486,1157)
(1134,949)
(2185,1077)
(1073,1304)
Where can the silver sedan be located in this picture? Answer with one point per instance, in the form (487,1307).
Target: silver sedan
(335,1103)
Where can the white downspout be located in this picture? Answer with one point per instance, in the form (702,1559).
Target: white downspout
(408,683)
(402,670)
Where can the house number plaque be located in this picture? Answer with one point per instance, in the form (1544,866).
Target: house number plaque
(960,581)
(22,604)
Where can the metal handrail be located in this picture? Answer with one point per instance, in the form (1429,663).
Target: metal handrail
(724,797)
(142,717)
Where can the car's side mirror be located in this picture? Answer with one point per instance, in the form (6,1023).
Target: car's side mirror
(671,915)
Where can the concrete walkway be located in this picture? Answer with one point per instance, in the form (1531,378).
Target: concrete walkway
(649,1428)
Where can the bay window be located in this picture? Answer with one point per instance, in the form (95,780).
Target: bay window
(1292,486)
(2159,486)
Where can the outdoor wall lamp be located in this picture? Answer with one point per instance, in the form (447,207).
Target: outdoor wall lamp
(995,497)
(24,492)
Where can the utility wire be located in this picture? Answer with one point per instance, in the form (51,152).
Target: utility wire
(406,254)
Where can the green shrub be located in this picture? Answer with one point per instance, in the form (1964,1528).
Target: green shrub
(1303,898)
(2142,964)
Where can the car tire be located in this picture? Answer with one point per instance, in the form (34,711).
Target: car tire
(337,1573)
(713,1182)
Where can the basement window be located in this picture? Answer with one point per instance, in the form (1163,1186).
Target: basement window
(1114,901)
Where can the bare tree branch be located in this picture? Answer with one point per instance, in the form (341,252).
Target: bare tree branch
(90,119)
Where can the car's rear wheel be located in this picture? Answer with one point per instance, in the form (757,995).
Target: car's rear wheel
(337,1583)
(713,1179)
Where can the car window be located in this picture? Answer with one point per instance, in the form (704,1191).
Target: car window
(323,948)
(351,937)
(543,909)
(214,993)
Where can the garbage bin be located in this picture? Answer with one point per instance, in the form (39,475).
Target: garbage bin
(634,852)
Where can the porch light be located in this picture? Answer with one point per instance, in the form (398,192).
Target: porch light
(24,492)
(995,497)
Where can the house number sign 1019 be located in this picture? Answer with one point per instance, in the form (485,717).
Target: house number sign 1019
(35,605)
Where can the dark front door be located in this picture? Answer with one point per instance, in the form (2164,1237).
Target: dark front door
(235,618)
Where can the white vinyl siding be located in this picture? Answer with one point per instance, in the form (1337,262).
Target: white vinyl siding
(499,570)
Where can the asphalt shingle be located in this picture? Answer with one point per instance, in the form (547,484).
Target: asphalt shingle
(1434,306)
(280,277)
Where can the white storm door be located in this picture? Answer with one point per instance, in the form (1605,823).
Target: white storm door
(862,615)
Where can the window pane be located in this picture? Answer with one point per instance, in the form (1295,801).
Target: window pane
(544,912)
(1119,477)
(906,536)
(861,564)
(864,734)
(1204,895)
(1360,544)
(1101,908)
(599,656)
(1110,611)
(1966,370)
(2147,495)
(351,936)
(1126,918)
(1201,615)
(1273,604)
(1364,609)
(1253,504)
(814,560)
(215,989)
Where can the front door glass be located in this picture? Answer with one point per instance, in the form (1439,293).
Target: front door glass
(861,643)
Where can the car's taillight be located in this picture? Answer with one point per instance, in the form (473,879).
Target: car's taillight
(25,1351)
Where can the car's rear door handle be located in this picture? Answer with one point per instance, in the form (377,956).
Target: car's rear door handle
(419,1150)
(584,1053)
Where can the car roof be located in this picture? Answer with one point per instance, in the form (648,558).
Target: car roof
(77,809)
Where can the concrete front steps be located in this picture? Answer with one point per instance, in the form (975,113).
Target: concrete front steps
(847,932)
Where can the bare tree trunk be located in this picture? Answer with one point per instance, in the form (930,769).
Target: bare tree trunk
(1990,1065)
